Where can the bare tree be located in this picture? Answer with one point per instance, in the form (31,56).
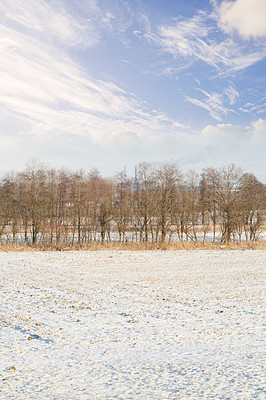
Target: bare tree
(34,196)
(252,207)
(78,199)
(167,180)
(8,208)
(192,206)
(144,192)
(64,208)
(105,207)
(122,205)
(224,191)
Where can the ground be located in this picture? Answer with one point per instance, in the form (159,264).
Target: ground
(132,325)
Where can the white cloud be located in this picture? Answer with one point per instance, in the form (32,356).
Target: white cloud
(246,17)
(223,144)
(258,128)
(229,132)
(223,131)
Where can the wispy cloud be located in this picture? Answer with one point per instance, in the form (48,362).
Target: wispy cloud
(216,103)
(52,95)
(204,40)
(51,22)
(196,39)
(212,103)
(82,24)
(232,94)
(257,108)
(50,104)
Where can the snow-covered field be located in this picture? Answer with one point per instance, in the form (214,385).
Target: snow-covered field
(132,325)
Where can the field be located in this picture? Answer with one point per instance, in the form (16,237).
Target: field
(132,325)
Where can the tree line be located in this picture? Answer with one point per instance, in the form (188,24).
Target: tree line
(59,207)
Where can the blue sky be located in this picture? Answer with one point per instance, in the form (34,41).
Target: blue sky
(111,83)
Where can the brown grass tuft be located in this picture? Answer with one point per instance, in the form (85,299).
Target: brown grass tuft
(136,246)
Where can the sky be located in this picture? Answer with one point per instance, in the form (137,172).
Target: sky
(107,84)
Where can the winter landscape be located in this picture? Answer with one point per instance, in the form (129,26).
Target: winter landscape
(128,128)
(132,325)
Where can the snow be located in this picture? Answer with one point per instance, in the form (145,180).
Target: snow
(132,325)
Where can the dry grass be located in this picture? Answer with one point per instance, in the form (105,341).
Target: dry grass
(133,246)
